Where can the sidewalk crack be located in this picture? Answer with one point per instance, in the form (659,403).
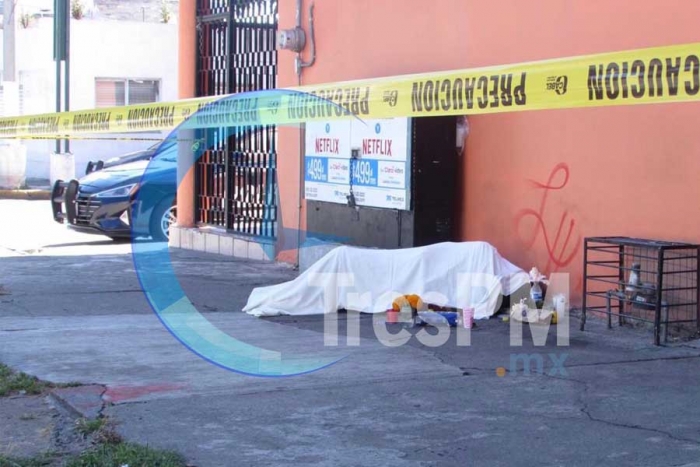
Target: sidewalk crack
(585,410)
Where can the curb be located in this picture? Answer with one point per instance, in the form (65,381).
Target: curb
(25,194)
(81,401)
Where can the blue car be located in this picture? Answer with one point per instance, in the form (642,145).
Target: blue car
(114,199)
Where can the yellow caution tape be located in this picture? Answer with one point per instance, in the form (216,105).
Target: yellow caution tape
(645,76)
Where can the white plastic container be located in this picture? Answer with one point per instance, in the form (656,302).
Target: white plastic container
(62,167)
(559,303)
(13,165)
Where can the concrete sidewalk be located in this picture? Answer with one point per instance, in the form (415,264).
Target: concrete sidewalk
(82,317)
(27,194)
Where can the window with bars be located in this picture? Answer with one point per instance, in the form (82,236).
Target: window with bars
(110,92)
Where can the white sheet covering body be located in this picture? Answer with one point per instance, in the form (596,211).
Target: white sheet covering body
(368,280)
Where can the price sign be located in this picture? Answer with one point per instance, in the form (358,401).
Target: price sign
(378,176)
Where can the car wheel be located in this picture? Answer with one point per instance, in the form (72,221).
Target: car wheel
(164,216)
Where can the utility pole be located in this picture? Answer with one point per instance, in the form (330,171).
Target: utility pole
(61,53)
(62,161)
(8,34)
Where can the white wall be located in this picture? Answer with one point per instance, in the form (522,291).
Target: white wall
(99,49)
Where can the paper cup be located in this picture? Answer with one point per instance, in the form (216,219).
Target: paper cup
(468,317)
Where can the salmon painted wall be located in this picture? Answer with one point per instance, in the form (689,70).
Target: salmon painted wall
(535,183)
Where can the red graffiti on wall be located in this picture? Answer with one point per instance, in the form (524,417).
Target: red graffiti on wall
(559,255)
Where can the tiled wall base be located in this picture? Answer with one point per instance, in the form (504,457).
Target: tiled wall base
(313,250)
(226,244)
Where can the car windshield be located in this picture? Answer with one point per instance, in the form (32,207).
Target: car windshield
(167,150)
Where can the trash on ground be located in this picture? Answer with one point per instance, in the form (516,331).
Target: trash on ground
(525,314)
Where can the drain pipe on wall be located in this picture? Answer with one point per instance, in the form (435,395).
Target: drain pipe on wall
(300,64)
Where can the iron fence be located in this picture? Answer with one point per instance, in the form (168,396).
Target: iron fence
(236,177)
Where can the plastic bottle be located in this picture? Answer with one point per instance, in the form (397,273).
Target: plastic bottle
(536,294)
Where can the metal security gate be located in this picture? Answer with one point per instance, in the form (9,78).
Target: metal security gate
(236,177)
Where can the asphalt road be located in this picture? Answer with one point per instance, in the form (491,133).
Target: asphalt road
(73,310)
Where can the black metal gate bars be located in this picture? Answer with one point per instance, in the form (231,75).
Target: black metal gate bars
(643,280)
(236,176)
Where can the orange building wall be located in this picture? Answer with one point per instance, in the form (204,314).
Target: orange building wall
(187,23)
(535,183)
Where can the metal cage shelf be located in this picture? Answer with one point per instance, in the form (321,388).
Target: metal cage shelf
(642,280)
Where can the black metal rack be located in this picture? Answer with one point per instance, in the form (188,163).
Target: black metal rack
(642,280)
